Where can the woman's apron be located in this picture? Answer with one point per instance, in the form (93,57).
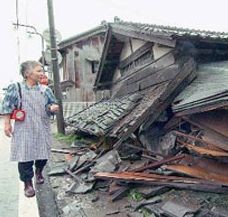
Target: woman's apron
(31,138)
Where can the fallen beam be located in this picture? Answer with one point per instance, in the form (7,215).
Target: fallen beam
(190,183)
(158,163)
(204,150)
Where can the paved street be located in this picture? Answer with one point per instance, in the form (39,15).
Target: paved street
(12,200)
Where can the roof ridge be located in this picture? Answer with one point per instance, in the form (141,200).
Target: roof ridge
(168,27)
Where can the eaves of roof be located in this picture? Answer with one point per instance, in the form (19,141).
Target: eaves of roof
(77,38)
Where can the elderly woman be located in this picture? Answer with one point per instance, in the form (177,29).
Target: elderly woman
(31,136)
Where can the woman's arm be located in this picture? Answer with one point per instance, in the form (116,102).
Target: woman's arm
(10,101)
(52,105)
(7,126)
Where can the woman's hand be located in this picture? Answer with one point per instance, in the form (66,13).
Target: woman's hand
(7,126)
(54,108)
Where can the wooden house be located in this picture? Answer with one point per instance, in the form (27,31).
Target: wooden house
(81,55)
(144,68)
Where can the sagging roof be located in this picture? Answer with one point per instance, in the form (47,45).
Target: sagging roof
(119,117)
(164,35)
(100,117)
(208,91)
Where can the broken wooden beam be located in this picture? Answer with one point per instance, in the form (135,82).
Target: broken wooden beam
(161,180)
(199,172)
(61,151)
(224,147)
(204,150)
(159,163)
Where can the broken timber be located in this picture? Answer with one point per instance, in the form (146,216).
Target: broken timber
(167,181)
(155,101)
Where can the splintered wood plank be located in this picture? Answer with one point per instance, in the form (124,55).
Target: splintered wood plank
(210,136)
(215,143)
(159,163)
(147,177)
(162,180)
(205,150)
(199,172)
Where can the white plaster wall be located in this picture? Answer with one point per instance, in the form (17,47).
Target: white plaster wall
(137,44)
(126,51)
(160,51)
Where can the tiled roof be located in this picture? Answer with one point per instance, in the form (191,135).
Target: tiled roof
(168,30)
(81,36)
(210,88)
(148,29)
(100,117)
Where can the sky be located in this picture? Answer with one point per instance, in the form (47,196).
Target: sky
(73,17)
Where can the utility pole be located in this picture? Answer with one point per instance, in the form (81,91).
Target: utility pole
(55,67)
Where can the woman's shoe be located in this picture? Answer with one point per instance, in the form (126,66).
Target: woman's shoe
(39,176)
(29,190)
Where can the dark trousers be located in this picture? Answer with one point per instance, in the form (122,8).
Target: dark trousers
(26,169)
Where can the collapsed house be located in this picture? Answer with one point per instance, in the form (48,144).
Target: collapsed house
(168,100)
(147,70)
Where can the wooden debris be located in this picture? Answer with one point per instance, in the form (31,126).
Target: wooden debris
(167,181)
(153,191)
(84,168)
(205,150)
(159,163)
(199,173)
(221,146)
(211,136)
(156,101)
(76,178)
(120,193)
(61,151)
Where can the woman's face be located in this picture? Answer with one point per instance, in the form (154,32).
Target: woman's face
(35,74)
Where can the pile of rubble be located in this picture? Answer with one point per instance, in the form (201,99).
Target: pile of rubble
(184,147)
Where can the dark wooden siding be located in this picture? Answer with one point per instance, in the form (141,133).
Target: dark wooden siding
(161,70)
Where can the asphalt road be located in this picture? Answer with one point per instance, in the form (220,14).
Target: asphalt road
(13,203)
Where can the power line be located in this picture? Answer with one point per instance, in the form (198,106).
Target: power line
(17,12)
(18,37)
(26,12)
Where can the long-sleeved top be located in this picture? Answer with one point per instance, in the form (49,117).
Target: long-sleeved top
(12,99)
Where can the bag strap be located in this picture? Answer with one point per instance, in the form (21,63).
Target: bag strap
(20,95)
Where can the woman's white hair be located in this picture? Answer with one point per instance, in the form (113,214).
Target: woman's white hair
(28,66)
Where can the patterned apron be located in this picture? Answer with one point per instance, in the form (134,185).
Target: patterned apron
(31,138)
